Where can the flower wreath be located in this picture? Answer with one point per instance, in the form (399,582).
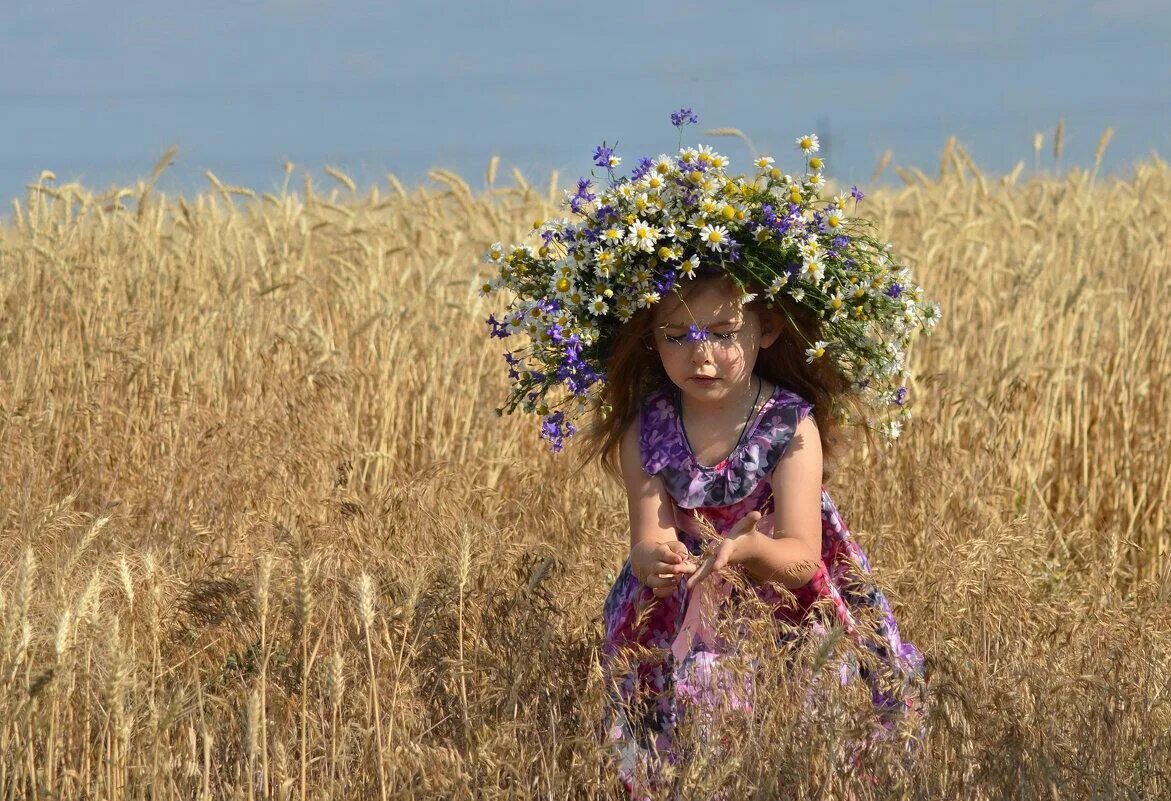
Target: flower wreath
(641,234)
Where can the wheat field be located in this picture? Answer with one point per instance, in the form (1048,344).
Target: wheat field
(265,537)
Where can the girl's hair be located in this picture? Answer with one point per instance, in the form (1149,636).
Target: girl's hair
(633,369)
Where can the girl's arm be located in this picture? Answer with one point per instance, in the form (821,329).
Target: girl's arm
(792,553)
(646,497)
(657,557)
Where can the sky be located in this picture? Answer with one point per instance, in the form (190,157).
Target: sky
(97,91)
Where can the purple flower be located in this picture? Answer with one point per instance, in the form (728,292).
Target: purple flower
(696,334)
(605,213)
(603,155)
(664,284)
(499,329)
(555,429)
(644,166)
(856,193)
(901,395)
(894,290)
(582,196)
(840,241)
(683,116)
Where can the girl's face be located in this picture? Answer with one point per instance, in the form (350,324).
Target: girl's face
(719,369)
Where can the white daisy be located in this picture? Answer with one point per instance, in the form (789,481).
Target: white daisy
(689,267)
(837,307)
(598,305)
(815,269)
(764,162)
(714,236)
(835,219)
(562,286)
(613,235)
(495,253)
(808,143)
(647,298)
(643,236)
(816,352)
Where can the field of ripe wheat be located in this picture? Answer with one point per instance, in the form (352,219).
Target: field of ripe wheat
(263,535)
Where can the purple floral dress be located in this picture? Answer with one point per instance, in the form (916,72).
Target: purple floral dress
(647,698)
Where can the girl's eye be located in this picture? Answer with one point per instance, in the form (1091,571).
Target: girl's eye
(674,340)
(727,335)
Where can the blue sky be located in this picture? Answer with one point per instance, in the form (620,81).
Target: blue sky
(97,91)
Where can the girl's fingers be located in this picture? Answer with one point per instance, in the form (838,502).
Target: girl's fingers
(674,567)
(657,580)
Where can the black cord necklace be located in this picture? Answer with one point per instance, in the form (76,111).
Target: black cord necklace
(743,430)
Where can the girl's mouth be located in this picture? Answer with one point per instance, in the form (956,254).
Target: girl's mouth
(703,379)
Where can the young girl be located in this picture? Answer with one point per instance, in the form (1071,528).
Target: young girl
(716,331)
(720,437)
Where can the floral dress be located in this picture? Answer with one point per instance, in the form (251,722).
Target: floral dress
(686,675)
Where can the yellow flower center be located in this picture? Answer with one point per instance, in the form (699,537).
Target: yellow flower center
(728,212)
(815,163)
(563,285)
(806,142)
(714,236)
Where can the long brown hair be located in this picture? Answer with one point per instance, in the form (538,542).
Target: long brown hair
(633,369)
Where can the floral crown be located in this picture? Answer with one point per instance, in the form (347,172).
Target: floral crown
(640,235)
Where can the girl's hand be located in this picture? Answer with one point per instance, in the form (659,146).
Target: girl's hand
(661,565)
(725,554)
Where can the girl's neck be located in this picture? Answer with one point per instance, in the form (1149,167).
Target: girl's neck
(731,405)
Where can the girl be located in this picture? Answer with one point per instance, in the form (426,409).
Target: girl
(718,434)
(716,330)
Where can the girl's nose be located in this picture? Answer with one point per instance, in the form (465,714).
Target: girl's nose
(701,353)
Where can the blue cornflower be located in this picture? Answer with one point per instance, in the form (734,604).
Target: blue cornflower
(894,290)
(840,241)
(683,116)
(696,334)
(856,193)
(901,395)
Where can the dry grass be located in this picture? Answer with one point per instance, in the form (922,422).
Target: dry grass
(265,537)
